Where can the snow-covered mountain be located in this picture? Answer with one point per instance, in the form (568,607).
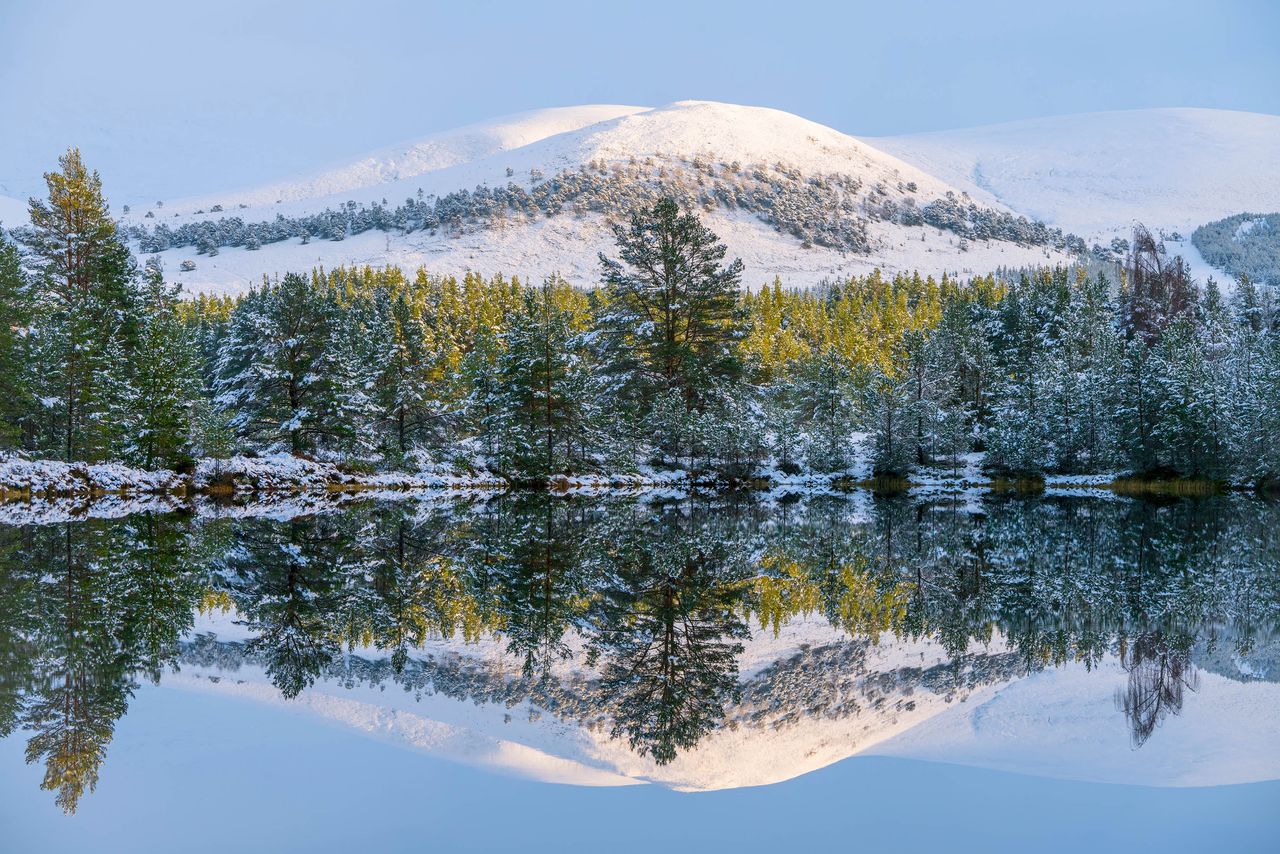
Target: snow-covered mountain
(534,193)
(13,212)
(791,197)
(438,151)
(1097,174)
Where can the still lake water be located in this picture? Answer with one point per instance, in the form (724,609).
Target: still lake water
(621,673)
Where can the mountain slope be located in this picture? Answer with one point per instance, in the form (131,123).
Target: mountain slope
(810,697)
(431,153)
(1097,174)
(792,197)
(535,193)
(13,212)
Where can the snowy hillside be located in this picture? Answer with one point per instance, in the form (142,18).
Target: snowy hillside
(1096,174)
(431,153)
(791,197)
(13,212)
(535,193)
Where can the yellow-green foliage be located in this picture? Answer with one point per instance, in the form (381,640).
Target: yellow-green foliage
(861,319)
(853,598)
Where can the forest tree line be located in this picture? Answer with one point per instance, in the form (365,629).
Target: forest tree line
(667,363)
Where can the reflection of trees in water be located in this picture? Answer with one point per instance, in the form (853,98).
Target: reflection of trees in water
(660,598)
(1158,674)
(90,607)
(666,633)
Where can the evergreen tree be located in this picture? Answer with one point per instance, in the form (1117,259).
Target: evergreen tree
(288,372)
(824,397)
(544,407)
(16,403)
(671,308)
(166,380)
(86,313)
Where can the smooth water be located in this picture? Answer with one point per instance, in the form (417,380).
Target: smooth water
(1091,670)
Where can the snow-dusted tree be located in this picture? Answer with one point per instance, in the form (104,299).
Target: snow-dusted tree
(86,310)
(166,379)
(16,404)
(289,372)
(824,399)
(671,308)
(545,412)
(889,414)
(403,385)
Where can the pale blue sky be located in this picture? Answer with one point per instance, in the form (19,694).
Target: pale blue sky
(174,98)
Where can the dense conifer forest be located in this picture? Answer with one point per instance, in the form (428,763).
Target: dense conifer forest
(666,362)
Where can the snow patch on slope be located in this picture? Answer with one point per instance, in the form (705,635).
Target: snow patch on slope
(419,157)
(13,212)
(1096,174)
(1061,723)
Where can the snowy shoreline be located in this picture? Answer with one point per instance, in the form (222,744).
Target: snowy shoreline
(45,490)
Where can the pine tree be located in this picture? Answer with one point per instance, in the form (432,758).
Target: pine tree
(545,412)
(86,312)
(824,396)
(889,416)
(166,379)
(289,372)
(16,402)
(671,309)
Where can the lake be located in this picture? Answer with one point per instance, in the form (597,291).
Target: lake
(622,672)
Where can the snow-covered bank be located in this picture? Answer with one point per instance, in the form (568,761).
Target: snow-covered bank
(42,491)
(51,478)
(286,473)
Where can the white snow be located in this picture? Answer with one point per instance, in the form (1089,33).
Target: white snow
(412,159)
(13,212)
(48,478)
(723,133)
(1060,722)
(1096,174)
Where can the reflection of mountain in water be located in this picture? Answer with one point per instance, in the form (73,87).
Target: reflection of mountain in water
(716,638)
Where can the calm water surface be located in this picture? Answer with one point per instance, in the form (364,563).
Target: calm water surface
(584,673)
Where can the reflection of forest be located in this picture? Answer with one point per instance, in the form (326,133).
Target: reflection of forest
(657,600)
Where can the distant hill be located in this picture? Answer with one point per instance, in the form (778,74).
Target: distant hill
(535,193)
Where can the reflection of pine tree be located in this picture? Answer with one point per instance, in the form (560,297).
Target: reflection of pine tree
(543,587)
(1158,676)
(104,602)
(286,578)
(668,634)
